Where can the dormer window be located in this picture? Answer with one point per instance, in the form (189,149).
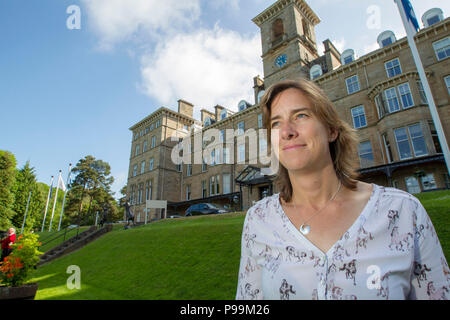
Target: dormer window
(432,16)
(243,105)
(347,56)
(223,114)
(386,38)
(207,121)
(315,71)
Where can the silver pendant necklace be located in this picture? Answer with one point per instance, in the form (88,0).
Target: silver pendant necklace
(304,228)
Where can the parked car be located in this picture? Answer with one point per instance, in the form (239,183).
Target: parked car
(204,208)
(175,216)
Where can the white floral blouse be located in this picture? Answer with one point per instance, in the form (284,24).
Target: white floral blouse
(390,252)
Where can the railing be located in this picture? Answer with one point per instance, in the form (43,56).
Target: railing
(59,234)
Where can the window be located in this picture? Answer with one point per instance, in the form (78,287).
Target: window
(241,127)
(223,114)
(433,20)
(145,146)
(153,141)
(189,170)
(151,162)
(204,191)
(135,167)
(204,166)
(141,193)
(347,56)
(412,185)
(315,71)
(352,84)
(381,107)
(359,117)
(403,146)
(133,194)
(260,120)
(418,141)
(137,150)
(147,129)
(428,182)
(158,123)
(226,156)
(148,190)
(277,29)
(434,136)
(188,192)
(392,99)
(226,183)
(262,147)
(393,68)
(447,83)
(410,136)
(152,126)
(213,157)
(432,16)
(387,148)
(365,154)
(405,95)
(212,182)
(179,167)
(241,153)
(142,167)
(217,184)
(442,48)
(386,38)
(423,97)
(222,136)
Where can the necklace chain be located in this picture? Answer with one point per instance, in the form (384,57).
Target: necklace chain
(304,228)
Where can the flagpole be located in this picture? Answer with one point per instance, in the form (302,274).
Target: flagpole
(26,210)
(46,206)
(64,199)
(54,203)
(423,78)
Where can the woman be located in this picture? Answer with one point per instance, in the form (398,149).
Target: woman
(8,242)
(326,235)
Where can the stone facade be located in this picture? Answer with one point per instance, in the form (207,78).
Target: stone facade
(399,145)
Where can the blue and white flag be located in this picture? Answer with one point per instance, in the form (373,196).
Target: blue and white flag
(410,15)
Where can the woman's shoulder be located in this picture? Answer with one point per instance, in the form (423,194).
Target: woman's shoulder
(264,206)
(394,197)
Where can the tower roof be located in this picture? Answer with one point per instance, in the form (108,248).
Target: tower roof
(280,5)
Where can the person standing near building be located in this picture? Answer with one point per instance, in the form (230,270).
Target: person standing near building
(326,235)
(8,242)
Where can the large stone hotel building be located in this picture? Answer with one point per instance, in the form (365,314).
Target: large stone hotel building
(379,94)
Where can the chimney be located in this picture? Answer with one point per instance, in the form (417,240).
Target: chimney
(185,108)
(218,110)
(332,55)
(205,113)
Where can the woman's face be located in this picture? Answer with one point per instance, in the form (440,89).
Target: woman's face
(302,140)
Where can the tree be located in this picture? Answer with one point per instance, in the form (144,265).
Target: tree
(26,183)
(7,185)
(90,190)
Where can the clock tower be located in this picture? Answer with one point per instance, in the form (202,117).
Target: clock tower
(288,40)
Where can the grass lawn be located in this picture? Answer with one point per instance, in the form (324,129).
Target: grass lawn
(185,258)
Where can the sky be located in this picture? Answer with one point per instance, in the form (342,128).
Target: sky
(75,75)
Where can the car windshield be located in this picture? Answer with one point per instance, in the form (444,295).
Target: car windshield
(212,206)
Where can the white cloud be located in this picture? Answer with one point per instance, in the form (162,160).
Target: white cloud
(206,67)
(371,47)
(115,21)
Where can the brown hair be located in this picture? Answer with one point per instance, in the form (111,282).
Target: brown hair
(342,150)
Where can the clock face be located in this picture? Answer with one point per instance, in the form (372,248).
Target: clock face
(281,60)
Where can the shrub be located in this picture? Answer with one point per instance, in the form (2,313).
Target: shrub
(15,268)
